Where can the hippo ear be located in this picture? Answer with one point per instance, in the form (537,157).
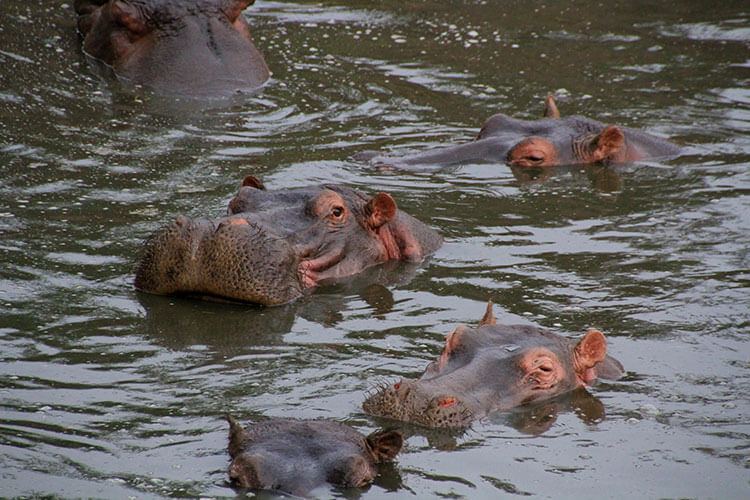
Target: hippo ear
(607,144)
(129,16)
(233,8)
(237,436)
(550,108)
(488,318)
(590,350)
(253,182)
(384,445)
(380,209)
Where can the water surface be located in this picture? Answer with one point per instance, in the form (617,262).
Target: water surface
(106,392)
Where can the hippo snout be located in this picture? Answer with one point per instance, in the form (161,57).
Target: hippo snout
(409,402)
(235,258)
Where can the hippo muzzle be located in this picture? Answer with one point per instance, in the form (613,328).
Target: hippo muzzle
(236,258)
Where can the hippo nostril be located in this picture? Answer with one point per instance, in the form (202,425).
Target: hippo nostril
(446,402)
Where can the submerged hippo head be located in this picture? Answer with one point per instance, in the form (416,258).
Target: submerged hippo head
(295,456)
(548,142)
(494,367)
(196,47)
(275,244)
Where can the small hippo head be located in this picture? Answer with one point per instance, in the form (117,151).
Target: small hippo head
(494,367)
(295,456)
(572,140)
(547,142)
(197,48)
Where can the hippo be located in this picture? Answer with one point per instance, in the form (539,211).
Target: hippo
(296,456)
(494,367)
(274,245)
(197,48)
(548,142)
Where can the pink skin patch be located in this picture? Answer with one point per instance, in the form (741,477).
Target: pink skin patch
(237,222)
(447,402)
(588,377)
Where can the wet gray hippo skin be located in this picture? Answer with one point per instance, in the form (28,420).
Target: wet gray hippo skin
(197,48)
(548,142)
(494,367)
(275,244)
(295,456)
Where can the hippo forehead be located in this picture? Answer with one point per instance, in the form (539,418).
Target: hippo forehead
(250,199)
(549,128)
(167,12)
(296,438)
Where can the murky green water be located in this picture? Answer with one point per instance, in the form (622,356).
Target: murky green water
(105,392)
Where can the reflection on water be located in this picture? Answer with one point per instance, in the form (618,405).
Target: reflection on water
(106,392)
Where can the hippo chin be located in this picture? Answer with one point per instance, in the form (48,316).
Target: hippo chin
(276,244)
(197,48)
(548,142)
(494,367)
(295,456)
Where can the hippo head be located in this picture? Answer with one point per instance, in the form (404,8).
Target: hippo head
(295,456)
(548,142)
(494,367)
(275,244)
(197,48)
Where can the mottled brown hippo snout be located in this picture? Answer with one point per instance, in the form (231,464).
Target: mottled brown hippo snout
(234,258)
(409,402)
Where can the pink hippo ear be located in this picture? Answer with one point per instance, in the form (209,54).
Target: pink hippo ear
(233,8)
(384,445)
(380,210)
(607,144)
(488,318)
(253,182)
(550,108)
(590,351)
(129,16)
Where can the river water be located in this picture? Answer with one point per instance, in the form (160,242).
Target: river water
(109,393)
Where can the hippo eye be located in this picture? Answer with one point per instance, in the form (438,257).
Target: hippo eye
(337,212)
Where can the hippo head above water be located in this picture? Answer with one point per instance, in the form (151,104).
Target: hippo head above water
(295,456)
(275,244)
(198,48)
(494,367)
(548,142)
